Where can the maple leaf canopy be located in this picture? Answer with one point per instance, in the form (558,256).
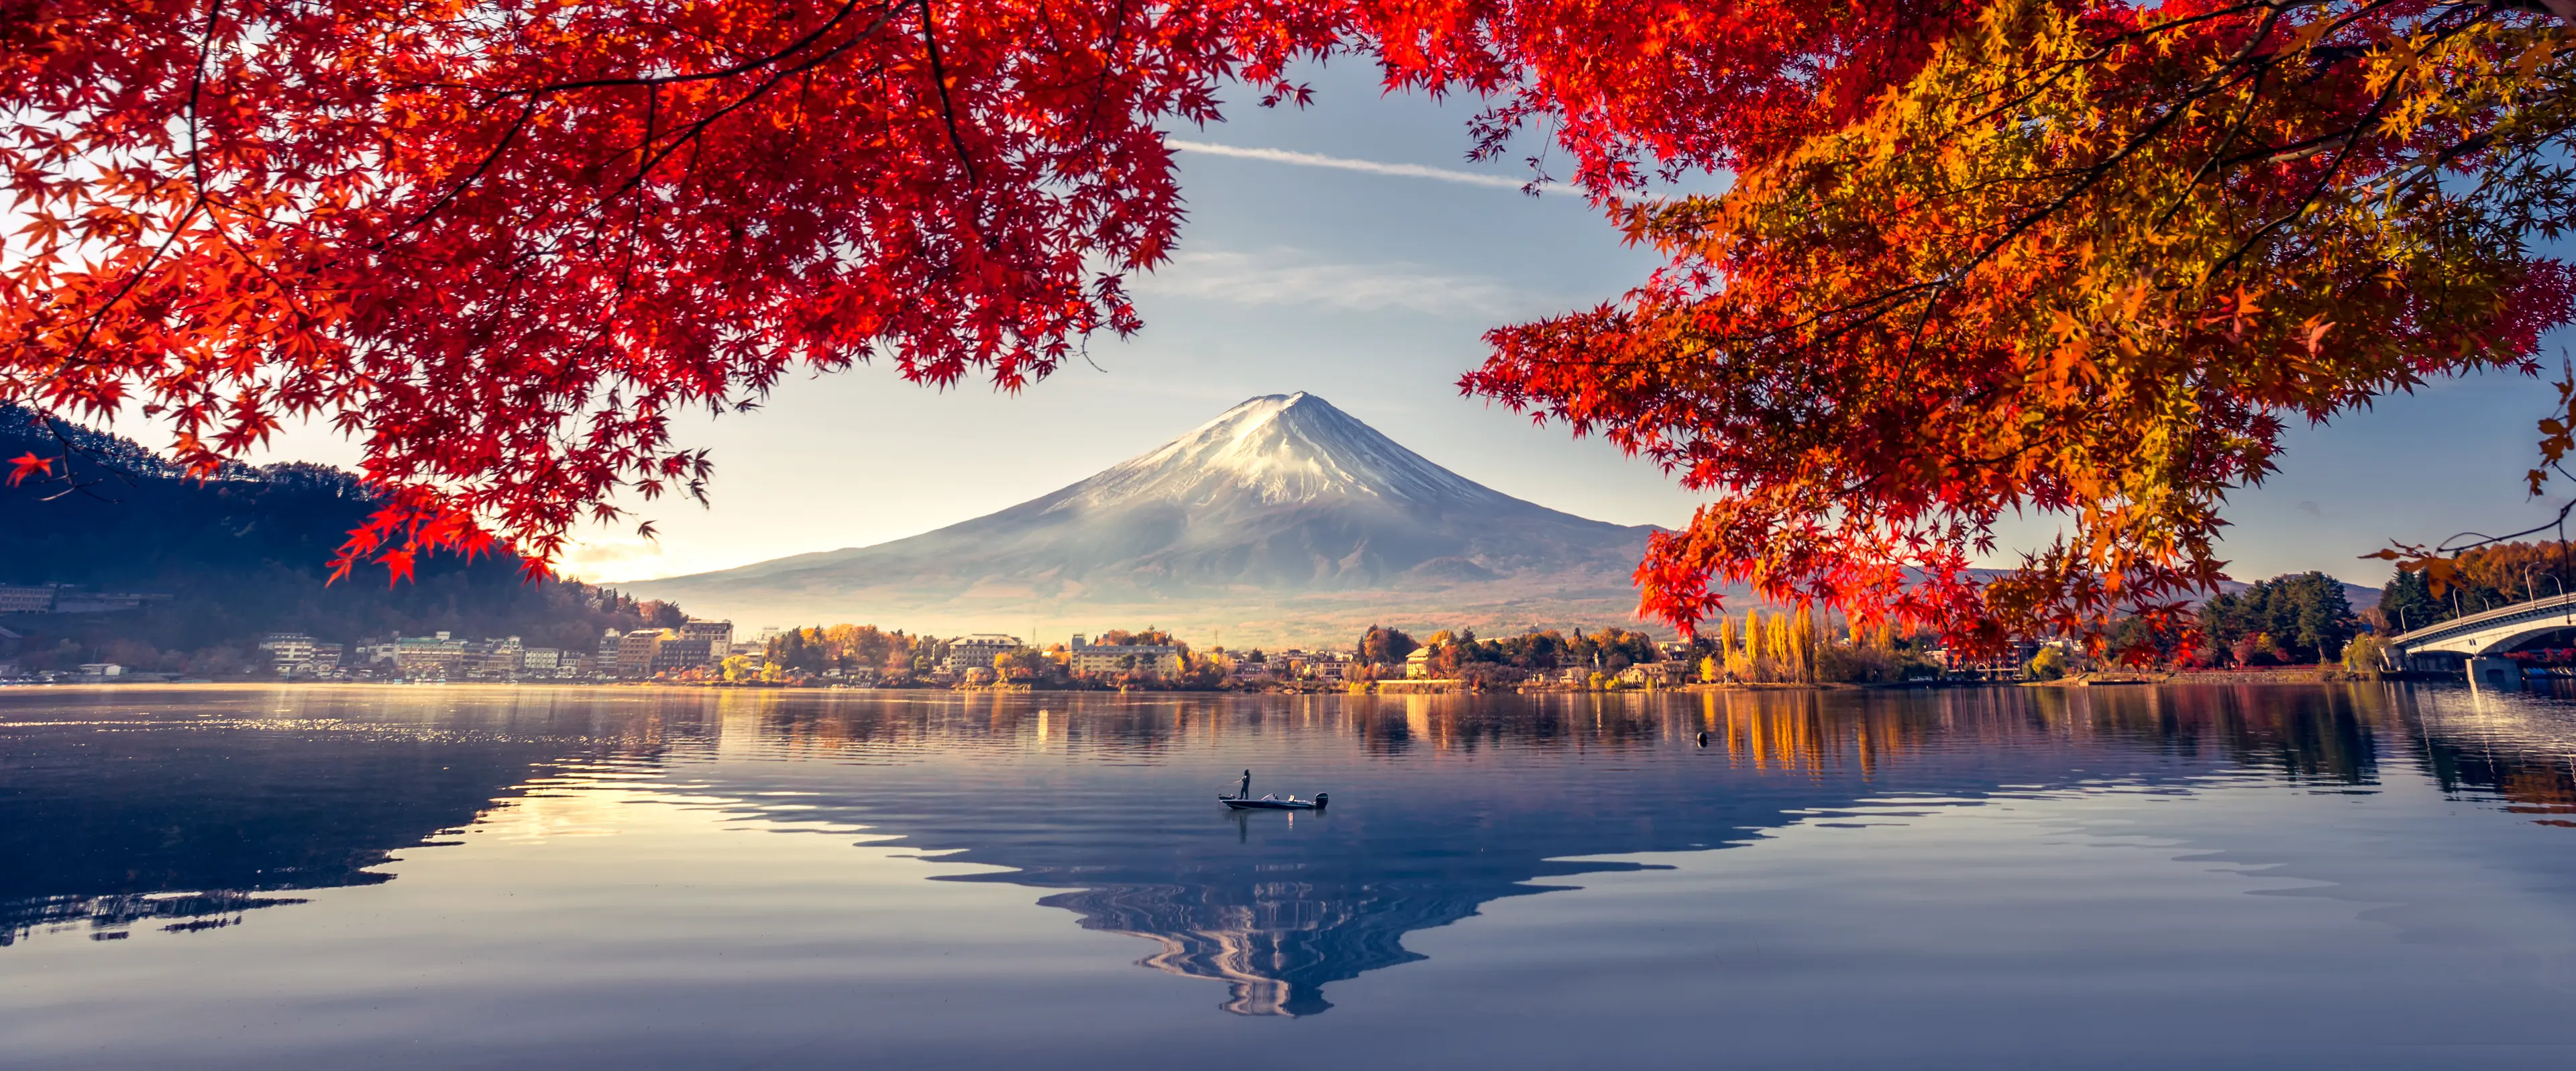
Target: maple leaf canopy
(2085,258)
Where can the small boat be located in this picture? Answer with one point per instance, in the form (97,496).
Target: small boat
(1242,799)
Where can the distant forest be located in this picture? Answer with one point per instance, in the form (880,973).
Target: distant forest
(242,555)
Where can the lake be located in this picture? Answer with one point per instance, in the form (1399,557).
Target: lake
(2335,876)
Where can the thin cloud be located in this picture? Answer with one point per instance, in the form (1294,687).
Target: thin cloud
(611,562)
(1344,163)
(1279,279)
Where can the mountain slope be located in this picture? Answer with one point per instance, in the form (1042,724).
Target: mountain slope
(240,555)
(1281,516)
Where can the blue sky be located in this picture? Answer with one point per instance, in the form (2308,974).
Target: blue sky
(1370,288)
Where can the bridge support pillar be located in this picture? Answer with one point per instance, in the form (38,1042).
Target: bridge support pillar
(2495,674)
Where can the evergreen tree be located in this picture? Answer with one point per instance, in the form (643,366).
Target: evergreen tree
(2408,604)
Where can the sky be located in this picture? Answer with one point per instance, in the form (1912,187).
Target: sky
(1350,250)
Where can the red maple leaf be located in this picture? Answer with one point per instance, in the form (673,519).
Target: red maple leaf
(398,565)
(27,464)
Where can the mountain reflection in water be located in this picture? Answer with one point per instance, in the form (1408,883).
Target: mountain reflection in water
(186,808)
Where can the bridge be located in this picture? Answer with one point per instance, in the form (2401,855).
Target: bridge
(2491,632)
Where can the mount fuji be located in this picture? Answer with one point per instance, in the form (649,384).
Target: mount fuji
(1283,519)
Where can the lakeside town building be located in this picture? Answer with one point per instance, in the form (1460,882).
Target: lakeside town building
(979,650)
(646,653)
(1155,660)
(1293,664)
(1331,666)
(717,634)
(635,651)
(679,653)
(294,654)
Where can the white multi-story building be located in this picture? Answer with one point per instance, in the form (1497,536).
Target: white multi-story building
(718,634)
(294,654)
(287,650)
(979,650)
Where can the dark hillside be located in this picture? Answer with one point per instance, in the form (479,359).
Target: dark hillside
(240,556)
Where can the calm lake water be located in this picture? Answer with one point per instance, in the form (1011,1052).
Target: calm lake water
(2261,877)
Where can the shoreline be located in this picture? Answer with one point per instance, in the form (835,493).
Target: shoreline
(2301,676)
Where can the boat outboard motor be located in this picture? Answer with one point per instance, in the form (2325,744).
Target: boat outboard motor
(1321,798)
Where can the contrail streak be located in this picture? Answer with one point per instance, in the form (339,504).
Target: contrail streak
(1343,163)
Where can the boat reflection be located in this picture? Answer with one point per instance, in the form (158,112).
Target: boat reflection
(1454,802)
(207,807)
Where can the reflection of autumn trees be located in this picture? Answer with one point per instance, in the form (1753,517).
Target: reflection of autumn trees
(1452,800)
(2514,750)
(2333,735)
(2540,789)
(2300,733)
(2529,787)
(1792,731)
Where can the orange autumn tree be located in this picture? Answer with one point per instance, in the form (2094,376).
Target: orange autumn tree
(2079,259)
(1975,258)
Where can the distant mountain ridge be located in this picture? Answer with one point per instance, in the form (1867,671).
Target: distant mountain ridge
(1282,516)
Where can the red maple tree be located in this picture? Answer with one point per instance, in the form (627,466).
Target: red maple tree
(502,243)
(2074,256)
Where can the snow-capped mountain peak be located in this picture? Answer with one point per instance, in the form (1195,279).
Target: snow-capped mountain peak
(1279,449)
(1281,498)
